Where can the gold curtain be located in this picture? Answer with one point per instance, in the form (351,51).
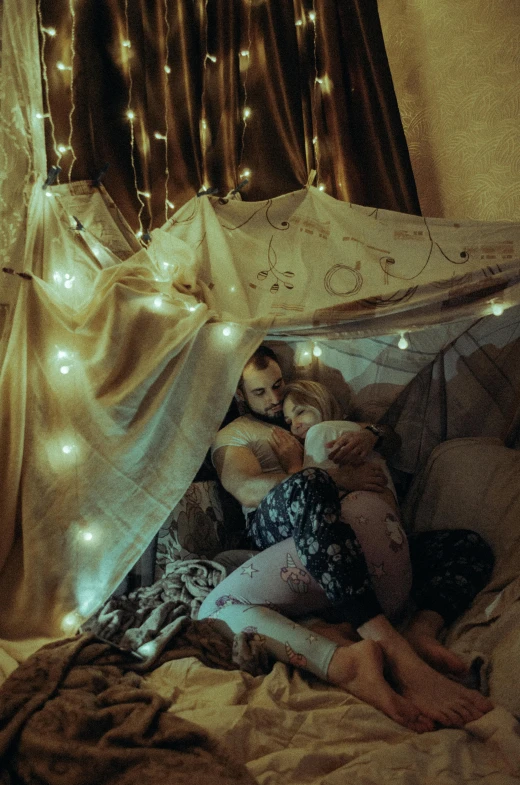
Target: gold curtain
(313,75)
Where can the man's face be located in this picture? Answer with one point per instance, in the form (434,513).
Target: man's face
(263,390)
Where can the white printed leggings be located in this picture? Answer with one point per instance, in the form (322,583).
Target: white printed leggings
(312,562)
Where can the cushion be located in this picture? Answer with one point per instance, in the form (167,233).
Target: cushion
(203,524)
(472,483)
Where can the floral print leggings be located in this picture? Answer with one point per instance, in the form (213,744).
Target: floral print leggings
(312,562)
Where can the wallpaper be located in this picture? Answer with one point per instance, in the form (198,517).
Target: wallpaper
(456,72)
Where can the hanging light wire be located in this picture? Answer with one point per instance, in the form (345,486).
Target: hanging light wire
(246,112)
(45,77)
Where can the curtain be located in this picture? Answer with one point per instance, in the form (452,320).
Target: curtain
(273,88)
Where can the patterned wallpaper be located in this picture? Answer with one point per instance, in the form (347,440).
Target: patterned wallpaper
(456,71)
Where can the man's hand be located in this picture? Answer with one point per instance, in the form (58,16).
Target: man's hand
(364,477)
(352,447)
(287,449)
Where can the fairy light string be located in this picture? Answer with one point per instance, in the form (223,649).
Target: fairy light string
(72,100)
(130,114)
(167,70)
(45,31)
(246,110)
(314,100)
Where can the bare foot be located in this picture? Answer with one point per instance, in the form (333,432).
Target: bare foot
(422,634)
(358,669)
(443,700)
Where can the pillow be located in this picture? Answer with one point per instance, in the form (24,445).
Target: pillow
(472,483)
(204,523)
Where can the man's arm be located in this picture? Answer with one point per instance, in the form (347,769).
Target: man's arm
(354,446)
(241,475)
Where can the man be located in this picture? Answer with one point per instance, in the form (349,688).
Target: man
(260,464)
(245,451)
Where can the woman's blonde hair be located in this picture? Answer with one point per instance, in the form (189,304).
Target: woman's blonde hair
(308,393)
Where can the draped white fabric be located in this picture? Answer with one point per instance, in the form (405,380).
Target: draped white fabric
(119,361)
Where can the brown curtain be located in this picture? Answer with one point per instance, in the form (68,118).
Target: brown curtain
(319,91)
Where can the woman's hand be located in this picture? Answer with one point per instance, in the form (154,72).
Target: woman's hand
(287,449)
(352,447)
(365,477)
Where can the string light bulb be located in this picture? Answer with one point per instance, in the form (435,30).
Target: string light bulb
(298,23)
(50,31)
(70,622)
(159,136)
(126,43)
(403,343)
(244,53)
(321,188)
(157,302)
(67,449)
(87,536)
(130,114)
(312,16)
(62,148)
(167,69)
(497,309)
(40,116)
(317,350)
(212,58)
(65,369)
(226,331)
(247,112)
(146,194)
(62,67)
(170,204)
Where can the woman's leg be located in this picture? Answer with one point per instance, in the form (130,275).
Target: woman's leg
(307,506)
(377,526)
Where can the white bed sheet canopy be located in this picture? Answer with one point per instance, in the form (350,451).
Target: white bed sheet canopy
(119,361)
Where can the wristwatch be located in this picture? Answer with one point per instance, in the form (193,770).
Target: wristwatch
(375,430)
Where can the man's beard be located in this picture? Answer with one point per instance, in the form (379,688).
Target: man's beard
(276,419)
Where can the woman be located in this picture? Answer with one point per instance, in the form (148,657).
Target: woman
(275,586)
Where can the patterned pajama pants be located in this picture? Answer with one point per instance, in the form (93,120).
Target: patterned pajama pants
(312,562)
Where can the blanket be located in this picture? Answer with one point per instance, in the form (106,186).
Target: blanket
(76,712)
(146,620)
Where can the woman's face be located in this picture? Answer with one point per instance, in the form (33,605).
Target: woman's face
(300,417)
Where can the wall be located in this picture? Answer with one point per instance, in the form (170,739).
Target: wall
(456,71)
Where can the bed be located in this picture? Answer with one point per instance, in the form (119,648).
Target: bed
(187,706)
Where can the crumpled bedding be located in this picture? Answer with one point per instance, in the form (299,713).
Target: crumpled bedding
(76,712)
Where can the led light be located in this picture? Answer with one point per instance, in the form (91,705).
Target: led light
(40,116)
(204,124)
(317,351)
(157,302)
(159,136)
(315,140)
(65,369)
(191,307)
(226,331)
(139,234)
(62,67)
(50,31)
(130,114)
(403,343)
(126,43)
(246,173)
(247,113)
(57,277)
(70,622)
(96,250)
(69,284)
(321,188)
(170,205)
(48,193)
(63,148)
(87,536)
(312,16)
(244,53)
(298,23)
(62,354)
(167,69)
(212,58)
(67,449)
(146,194)
(497,309)
(232,289)
(320,81)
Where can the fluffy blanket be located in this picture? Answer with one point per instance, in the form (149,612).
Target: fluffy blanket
(76,712)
